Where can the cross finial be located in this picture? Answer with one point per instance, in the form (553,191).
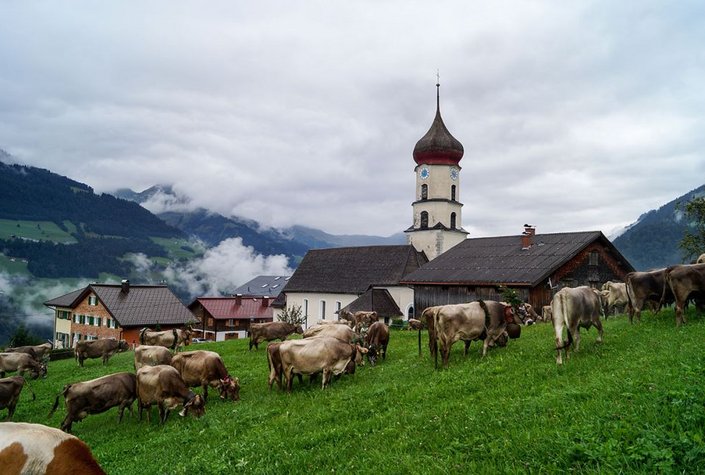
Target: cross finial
(438,90)
(438,78)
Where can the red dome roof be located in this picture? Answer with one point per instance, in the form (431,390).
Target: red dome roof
(438,146)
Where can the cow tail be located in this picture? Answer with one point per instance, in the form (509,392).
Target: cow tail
(561,314)
(176,339)
(142,332)
(487,314)
(630,292)
(666,283)
(56,401)
(432,342)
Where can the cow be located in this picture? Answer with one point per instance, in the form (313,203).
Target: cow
(478,320)
(341,332)
(414,324)
(174,339)
(38,352)
(376,341)
(326,355)
(683,280)
(35,448)
(269,331)
(23,364)
(615,296)
(103,348)
(701,259)
(96,396)
(151,355)
(574,308)
(206,368)
(10,389)
(359,319)
(645,287)
(546,313)
(162,385)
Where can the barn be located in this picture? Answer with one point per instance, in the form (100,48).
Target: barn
(534,265)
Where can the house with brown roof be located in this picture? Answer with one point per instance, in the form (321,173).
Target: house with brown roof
(225,318)
(535,265)
(328,280)
(115,311)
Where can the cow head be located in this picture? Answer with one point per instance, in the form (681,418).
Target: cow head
(196,405)
(372,355)
(299,329)
(39,370)
(360,355)
(229,388)
(123,345)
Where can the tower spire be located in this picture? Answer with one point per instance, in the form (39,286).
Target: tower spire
(438,91)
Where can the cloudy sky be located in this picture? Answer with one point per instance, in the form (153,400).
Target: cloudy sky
(574,115)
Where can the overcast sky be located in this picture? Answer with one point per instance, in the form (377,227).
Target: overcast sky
(574,116)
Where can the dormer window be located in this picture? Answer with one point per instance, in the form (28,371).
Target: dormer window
(92,300)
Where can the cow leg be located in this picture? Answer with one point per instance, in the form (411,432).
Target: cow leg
(163,413)
(66,424)
(485,345)
(326,378)
(598,325)
(679,313)
(467,346)
(205,392)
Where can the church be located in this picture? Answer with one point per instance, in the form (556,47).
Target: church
(441,264)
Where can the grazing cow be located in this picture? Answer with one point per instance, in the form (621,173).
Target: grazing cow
(359,319)
(269,331)
(469,321)
(206,368)
(35,448)
(38,352)
(546,313)
(151,355)
(162,385)
(643,287)
(22,363)
(175,339)
(10,389)
(683,280)
(103,348)
(376,341)
(341,332)
(574,308)
(96,396)
(615,296)
(415,324)
(326,355)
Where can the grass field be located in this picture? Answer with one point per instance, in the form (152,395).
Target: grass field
(633,404)
(39,230)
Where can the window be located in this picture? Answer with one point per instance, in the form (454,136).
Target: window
(76,319)
(452,220)
(594,258)
(424,219)
(98,321)
(323,310)
(338,306)
(452,192)
(91,320)
(305,307)
(92,300)
(424,192)
(231,322)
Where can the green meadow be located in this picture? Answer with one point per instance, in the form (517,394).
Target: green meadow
(632,404)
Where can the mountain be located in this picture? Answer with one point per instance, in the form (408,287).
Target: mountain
(652,241)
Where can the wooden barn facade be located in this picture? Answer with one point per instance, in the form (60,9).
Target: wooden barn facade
(534,265)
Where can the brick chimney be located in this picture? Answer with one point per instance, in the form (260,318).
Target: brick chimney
(265,301)
(527,237)
(238,299)
(125,286)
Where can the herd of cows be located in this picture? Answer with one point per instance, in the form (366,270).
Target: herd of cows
(165,376)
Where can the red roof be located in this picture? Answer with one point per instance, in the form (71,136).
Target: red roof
(223,308)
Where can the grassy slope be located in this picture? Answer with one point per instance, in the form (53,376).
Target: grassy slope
(39,230)
(634,403)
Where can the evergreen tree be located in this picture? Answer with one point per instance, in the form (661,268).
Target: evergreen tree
(693,243)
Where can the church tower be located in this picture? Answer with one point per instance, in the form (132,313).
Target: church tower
(437,208)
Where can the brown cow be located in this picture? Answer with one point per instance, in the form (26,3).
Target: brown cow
(341,332)
(574,308)
(103,348)
(684,280)
(269,331)
(97,396)
(151,355)
(415,324)
(22,363)
(35,448)
(645,287)
(376,341)
(326,355)
(162,385)
(38,352)
(206,368)
(615,296)
(468,322)
(174,339)
(10,389)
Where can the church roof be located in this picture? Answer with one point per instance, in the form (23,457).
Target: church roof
(438,146)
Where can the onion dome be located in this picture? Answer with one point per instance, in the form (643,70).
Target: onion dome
(438,146)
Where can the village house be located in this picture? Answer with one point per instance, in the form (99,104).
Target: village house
(115,311)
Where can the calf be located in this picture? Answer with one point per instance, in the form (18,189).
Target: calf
(206,368)
(35,448)
(148,355)
(96,396)
(10,389)
(103,348)
(376,341)
(574,308)
(270,331)
(162,385)
(23,364)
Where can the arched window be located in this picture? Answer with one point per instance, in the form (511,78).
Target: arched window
(452,193)
(452,220)
(424,219)
(424,192)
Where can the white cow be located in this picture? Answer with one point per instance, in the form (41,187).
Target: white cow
(574,308)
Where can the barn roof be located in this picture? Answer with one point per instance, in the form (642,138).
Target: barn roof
(353,270)
(378,300)
(141,305)
(263,286)
(495,260)
(224,308)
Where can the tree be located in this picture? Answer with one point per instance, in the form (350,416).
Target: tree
(292,315)
(23,337)
(693,242)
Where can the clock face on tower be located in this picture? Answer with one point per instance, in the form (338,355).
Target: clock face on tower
(424,173)
(454,174)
